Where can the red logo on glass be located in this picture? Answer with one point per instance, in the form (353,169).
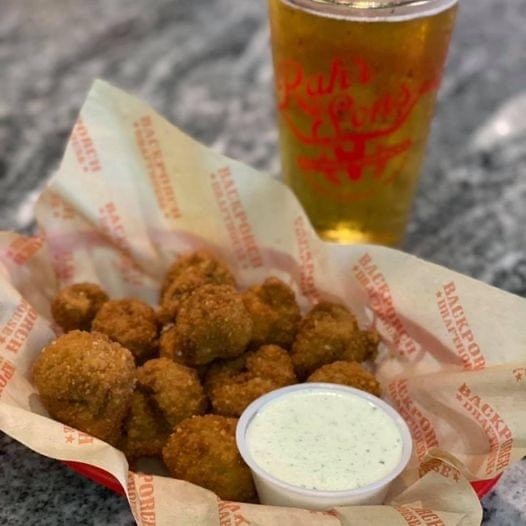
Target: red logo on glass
(350,139)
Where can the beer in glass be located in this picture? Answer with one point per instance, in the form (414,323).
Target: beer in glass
(356,85)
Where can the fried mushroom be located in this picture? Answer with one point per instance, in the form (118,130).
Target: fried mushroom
(86,381)
(75,307)
(274,312)
(212,323)
(233,385)
(202,450)
(130,322)
(327,334)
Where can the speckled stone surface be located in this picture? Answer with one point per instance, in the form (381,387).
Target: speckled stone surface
(206,66)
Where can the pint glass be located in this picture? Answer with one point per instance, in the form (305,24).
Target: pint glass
(356,85)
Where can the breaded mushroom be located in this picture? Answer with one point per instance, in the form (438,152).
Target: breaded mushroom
(174,388)
(363,346)
(145,429)
(169,347)
(233,385)
(86,381)
(202,450)
(187,274)
(209,265)
(351,374)
(212,323)
(74,307)
(130,322)
(327,334)
(274,312)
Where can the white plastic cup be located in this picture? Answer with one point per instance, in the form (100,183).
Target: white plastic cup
(273,491)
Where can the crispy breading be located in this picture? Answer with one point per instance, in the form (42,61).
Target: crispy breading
(174,388)
(86,381)
(169,348)
(132,323)
(75,307)
(233,385)
(274,312)
(212,323)
(363,346)
(145,430)
(351,374)
(202,450)
(187,274)
(329,333)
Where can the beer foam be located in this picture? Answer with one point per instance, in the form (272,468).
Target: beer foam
(408,10)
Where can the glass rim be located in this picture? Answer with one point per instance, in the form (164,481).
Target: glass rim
(386,10)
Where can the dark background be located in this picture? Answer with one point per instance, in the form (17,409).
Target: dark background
(206,67)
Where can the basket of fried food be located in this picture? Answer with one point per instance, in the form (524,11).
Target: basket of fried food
(170,382)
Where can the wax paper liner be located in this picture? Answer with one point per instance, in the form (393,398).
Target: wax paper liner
(133,192)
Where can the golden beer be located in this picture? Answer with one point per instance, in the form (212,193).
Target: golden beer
(356,85)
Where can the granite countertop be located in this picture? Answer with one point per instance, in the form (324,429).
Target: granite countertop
(206,66)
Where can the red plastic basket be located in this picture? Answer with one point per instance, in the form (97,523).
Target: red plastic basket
(482,487)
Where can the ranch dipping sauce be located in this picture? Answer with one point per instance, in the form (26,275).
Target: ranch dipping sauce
(325,440)
(321,445)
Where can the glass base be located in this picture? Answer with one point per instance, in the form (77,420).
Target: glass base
(345,234)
